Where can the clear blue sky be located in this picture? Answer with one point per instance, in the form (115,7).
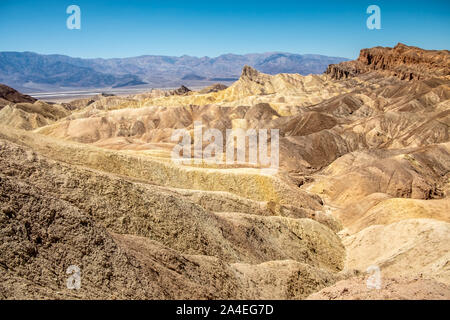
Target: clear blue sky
(123,28)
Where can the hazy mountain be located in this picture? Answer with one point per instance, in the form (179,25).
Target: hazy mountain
(32,71)
(362,181)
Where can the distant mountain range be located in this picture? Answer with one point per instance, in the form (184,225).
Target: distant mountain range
(28,71)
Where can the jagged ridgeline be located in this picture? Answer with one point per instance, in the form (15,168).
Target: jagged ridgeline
(363,181)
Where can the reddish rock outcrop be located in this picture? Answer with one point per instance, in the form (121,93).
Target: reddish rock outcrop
(402,61)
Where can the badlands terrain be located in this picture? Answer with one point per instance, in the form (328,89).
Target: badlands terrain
(363,181)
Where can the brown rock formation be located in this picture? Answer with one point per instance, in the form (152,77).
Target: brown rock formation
(213,88)
(8,94)
(181,90)
(402,61)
